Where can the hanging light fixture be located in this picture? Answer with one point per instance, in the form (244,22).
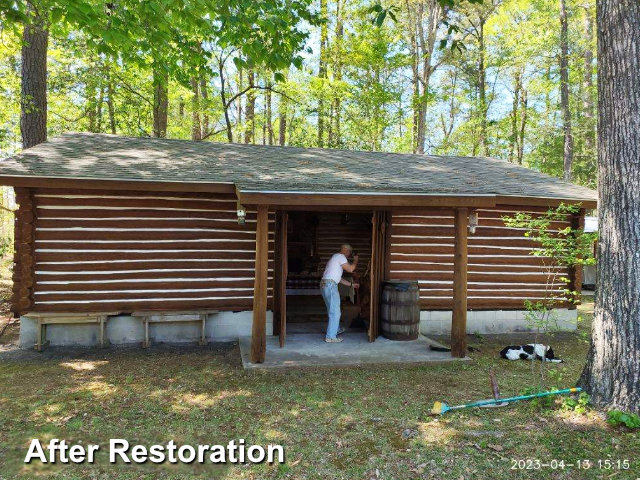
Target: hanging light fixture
(473,221)
(242,214)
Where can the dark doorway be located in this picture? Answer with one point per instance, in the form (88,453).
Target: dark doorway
(312,238)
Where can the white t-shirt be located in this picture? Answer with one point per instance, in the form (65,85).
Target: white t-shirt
(333,270)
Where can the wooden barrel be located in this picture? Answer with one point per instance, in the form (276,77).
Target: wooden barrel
(400,310)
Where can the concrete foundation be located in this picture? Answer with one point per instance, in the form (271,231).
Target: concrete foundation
(121,330)
(438,322)
(229,326)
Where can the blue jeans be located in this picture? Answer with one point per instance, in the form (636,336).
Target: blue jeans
(329,290)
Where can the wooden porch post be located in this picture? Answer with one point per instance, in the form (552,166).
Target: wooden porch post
(259,327)
(459,320)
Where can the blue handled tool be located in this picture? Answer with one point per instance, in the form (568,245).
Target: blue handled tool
(439,407)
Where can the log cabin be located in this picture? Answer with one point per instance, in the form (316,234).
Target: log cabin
(127,231)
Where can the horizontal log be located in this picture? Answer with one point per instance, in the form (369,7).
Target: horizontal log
(93,213)
(80,235)
(167,305)
(174,204)
(481,231)
(482,303)
(224,267)
(448,249)
(431,267)
(150,256)
(169,282)
(140,296)
(431,212)
(138,223)
(47,275)
(493,260)
(532,294)
(477,277)
(62,192)
(473,241)
(521,208)
(219,245)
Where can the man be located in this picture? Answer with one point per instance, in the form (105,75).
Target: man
(329,287)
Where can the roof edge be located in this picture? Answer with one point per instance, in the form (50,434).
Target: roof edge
(398,199)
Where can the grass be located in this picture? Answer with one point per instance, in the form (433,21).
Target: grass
(351,423)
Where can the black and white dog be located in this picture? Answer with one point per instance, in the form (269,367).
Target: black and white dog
(532,351)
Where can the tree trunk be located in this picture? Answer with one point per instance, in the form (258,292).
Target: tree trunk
(515,105)
(612,373)
(564,91)
(268,120)
(90,96)
(482,91)
(223,100)
(250,114)
(204,94)
(524,101)
(160,102)
(587,86)
(282,121)
(426,45)
(99,109)
(322,70)
(336,139)
(33,82)
(110,106)
(196,132)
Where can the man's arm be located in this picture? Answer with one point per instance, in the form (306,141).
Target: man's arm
(351,267)
(349,283)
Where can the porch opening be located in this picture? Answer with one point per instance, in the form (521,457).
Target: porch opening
(312,238)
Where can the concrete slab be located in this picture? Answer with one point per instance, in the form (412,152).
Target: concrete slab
(310,350)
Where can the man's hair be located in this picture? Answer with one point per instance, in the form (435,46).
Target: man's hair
(346,245)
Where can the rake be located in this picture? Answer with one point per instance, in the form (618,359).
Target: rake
(439,407)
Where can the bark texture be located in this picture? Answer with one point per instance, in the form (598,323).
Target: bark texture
(33,87)
(612,373)
(160,103)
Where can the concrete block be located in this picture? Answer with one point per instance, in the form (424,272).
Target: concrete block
(223,326)
(438,322)
(431,327)
(125,329)
(475,323)
(444,315)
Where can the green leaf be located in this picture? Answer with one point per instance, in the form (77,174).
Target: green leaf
(56,15)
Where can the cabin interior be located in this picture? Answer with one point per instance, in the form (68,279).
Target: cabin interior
(312,238)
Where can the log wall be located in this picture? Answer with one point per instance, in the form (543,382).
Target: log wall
(333,232)
(502,273)
(105,250)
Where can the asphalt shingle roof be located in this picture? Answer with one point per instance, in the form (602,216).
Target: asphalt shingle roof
(274,168)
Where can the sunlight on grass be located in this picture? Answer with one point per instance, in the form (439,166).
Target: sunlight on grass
(436,432)
(84,365)
(99,388)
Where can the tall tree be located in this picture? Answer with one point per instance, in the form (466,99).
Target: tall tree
(587,83)
(564,92)
(160,101)
(612,373)
(33,98)
(250,113)
(424,18)
(322,70)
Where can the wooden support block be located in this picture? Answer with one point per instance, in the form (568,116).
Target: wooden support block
(203,337)
(145,343)
(103,340)
(41,336)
